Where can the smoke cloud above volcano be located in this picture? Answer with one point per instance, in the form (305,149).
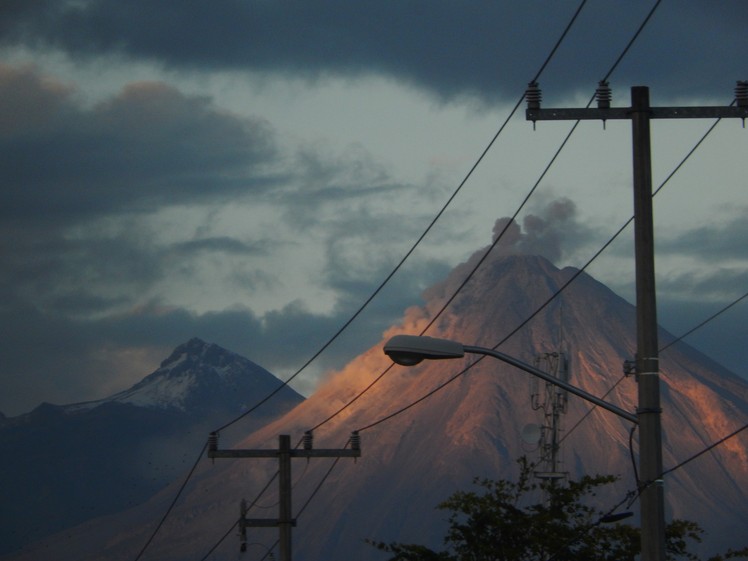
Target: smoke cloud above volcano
(553,232)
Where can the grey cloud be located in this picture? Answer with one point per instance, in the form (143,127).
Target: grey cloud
(716,242)
(487,49)
(150,145)
(68,169)
(96,273)
(222,244)
(705,285)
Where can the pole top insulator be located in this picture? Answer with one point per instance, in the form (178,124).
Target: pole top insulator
(603,94)
(533,95)
(741,93)
(355,440)
(308,440)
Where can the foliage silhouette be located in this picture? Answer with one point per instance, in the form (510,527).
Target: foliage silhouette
(491,524)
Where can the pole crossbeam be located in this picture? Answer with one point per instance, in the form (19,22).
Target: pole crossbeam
(626,113)
(649,412)
(321,453)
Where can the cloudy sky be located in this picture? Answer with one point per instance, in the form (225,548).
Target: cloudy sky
(249,172)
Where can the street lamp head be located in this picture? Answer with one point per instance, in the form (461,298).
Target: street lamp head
(611,518)
(409,350)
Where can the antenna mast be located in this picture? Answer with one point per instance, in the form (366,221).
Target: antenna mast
(552,401)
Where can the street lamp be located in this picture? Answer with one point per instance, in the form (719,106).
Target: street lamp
(409,350)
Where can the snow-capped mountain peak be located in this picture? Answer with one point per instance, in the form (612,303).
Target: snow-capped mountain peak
(200,375)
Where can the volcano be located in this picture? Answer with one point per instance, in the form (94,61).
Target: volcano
(429,430)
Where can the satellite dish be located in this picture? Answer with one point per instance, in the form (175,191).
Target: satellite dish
(531,434)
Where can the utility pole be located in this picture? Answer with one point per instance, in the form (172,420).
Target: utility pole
(652,501)
(284,453)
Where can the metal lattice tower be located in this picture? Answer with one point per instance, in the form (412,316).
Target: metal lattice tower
(552,401)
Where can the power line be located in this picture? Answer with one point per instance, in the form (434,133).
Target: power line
(579,272)
(632,495)
(399,265)
(441,386)
(379,288)
(705,450)
(692,330)
(542,306)
(452,197)
(516,213)
(235,524)
(173,503)
(220,541)
(425,232)
(545,170)
(565,285)
(407,255)
(703,323)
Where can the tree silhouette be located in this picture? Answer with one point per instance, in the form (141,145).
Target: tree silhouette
(494,523)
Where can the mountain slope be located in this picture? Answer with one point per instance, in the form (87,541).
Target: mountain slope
(469,426)
(66,464)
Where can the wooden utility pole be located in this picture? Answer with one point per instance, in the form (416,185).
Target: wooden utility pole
(652,501)
(284,453)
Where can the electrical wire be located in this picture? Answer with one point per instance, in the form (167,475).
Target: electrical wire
(633,429)
(582,531)
(480,262)
(355,399)
(381,286)
(540,178)
(705,450)
(632,495)
(646,484)
(479,359)
(459,188)
(559,290)
(236,523)
(418,241)
(415,245)
(410,251)
(703,323)
(465,282)
(172,504)
(635,494)
(220,541)
(298,514)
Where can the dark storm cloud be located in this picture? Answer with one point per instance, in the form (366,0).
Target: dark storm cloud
(66,166)
(150,145)
(489,49)
(709,284)
(715,242)
(64,274)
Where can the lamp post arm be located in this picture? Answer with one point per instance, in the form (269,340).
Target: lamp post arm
(552,380)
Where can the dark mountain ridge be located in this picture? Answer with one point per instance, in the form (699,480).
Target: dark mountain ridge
(84,460)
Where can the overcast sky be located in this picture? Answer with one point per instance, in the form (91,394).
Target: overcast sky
(248,172)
